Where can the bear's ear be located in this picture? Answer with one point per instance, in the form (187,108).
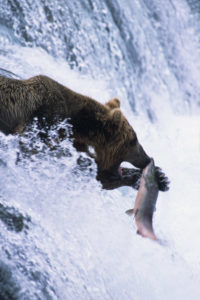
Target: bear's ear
(113,103)
(116,116)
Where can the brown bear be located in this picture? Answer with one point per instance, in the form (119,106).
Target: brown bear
(103,127)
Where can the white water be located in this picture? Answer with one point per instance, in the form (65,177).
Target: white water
(80,234)
(80,243)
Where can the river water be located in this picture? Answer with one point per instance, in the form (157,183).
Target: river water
(61,235)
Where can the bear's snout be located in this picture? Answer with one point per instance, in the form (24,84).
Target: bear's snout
(138,158)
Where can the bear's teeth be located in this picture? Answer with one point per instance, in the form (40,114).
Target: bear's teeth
(120,171)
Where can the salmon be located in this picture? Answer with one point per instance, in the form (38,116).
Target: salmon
(145,202)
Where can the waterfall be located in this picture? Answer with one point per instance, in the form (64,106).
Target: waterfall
(62,236)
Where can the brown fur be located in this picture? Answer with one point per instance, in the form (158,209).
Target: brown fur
(103,127)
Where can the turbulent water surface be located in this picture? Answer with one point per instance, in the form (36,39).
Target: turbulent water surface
(62,236)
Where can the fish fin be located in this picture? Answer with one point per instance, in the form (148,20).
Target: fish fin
(130,212)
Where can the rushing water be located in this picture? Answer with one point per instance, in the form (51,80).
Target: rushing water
(61,235)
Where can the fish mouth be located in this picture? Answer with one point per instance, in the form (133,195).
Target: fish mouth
(150,168)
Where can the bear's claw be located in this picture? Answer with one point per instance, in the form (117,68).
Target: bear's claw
(163,181)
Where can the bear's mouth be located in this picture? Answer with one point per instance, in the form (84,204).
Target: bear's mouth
(116,173)
(119,171)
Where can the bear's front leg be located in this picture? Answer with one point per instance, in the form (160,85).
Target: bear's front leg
(135,174)
(128,177)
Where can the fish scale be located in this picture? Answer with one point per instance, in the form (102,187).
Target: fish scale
(145,202)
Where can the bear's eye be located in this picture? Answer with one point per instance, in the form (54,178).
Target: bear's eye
(133,142)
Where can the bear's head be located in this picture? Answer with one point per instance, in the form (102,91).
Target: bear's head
(121,143)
